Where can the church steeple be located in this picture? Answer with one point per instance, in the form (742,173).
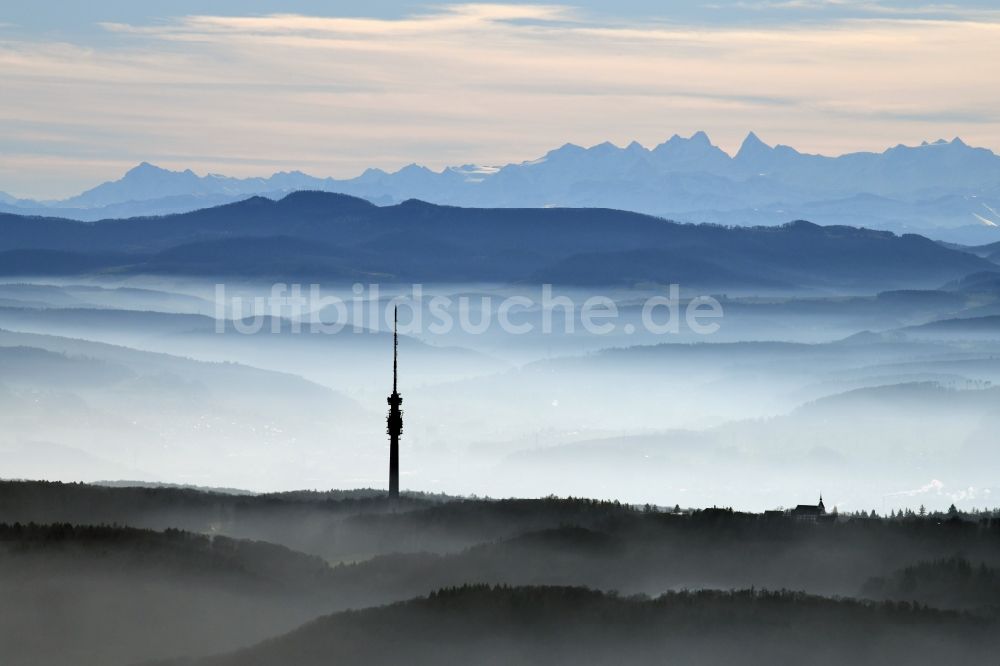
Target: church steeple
(821,506)
(394,422)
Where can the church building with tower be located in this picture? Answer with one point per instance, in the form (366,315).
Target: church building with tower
(395,419)
(810,511)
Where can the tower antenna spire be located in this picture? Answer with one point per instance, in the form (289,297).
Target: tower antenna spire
(395,344)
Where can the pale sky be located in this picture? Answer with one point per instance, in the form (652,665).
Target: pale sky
(250,87)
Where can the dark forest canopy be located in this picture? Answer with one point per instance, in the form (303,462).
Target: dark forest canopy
(107,569)
(559,625)
(420,544)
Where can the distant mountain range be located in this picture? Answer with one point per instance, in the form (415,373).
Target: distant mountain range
(945,189)
(323,236)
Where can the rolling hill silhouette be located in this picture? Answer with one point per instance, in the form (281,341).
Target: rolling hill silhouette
(564,625)
(122,594)
(311,235)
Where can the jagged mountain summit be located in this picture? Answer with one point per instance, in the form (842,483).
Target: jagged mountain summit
(946,189)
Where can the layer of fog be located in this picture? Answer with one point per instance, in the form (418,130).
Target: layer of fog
(787,399)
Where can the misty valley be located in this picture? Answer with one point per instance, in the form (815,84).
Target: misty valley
(867,370)
(609,447)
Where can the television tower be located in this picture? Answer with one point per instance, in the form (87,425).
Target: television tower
(395,419)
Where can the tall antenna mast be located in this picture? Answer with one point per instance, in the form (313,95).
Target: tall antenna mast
(394,422)
(395,344)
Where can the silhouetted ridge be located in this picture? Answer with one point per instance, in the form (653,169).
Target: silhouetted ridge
(802,225)
(985,281)
(314,200)
(60,262)
(420,206)
(985,324)
(420,241)
(254,203)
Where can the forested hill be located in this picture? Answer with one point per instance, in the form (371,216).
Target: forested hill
(558,625)
(119,595)
(314,235)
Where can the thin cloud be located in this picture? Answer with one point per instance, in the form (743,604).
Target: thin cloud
(489,84)
(934,486)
